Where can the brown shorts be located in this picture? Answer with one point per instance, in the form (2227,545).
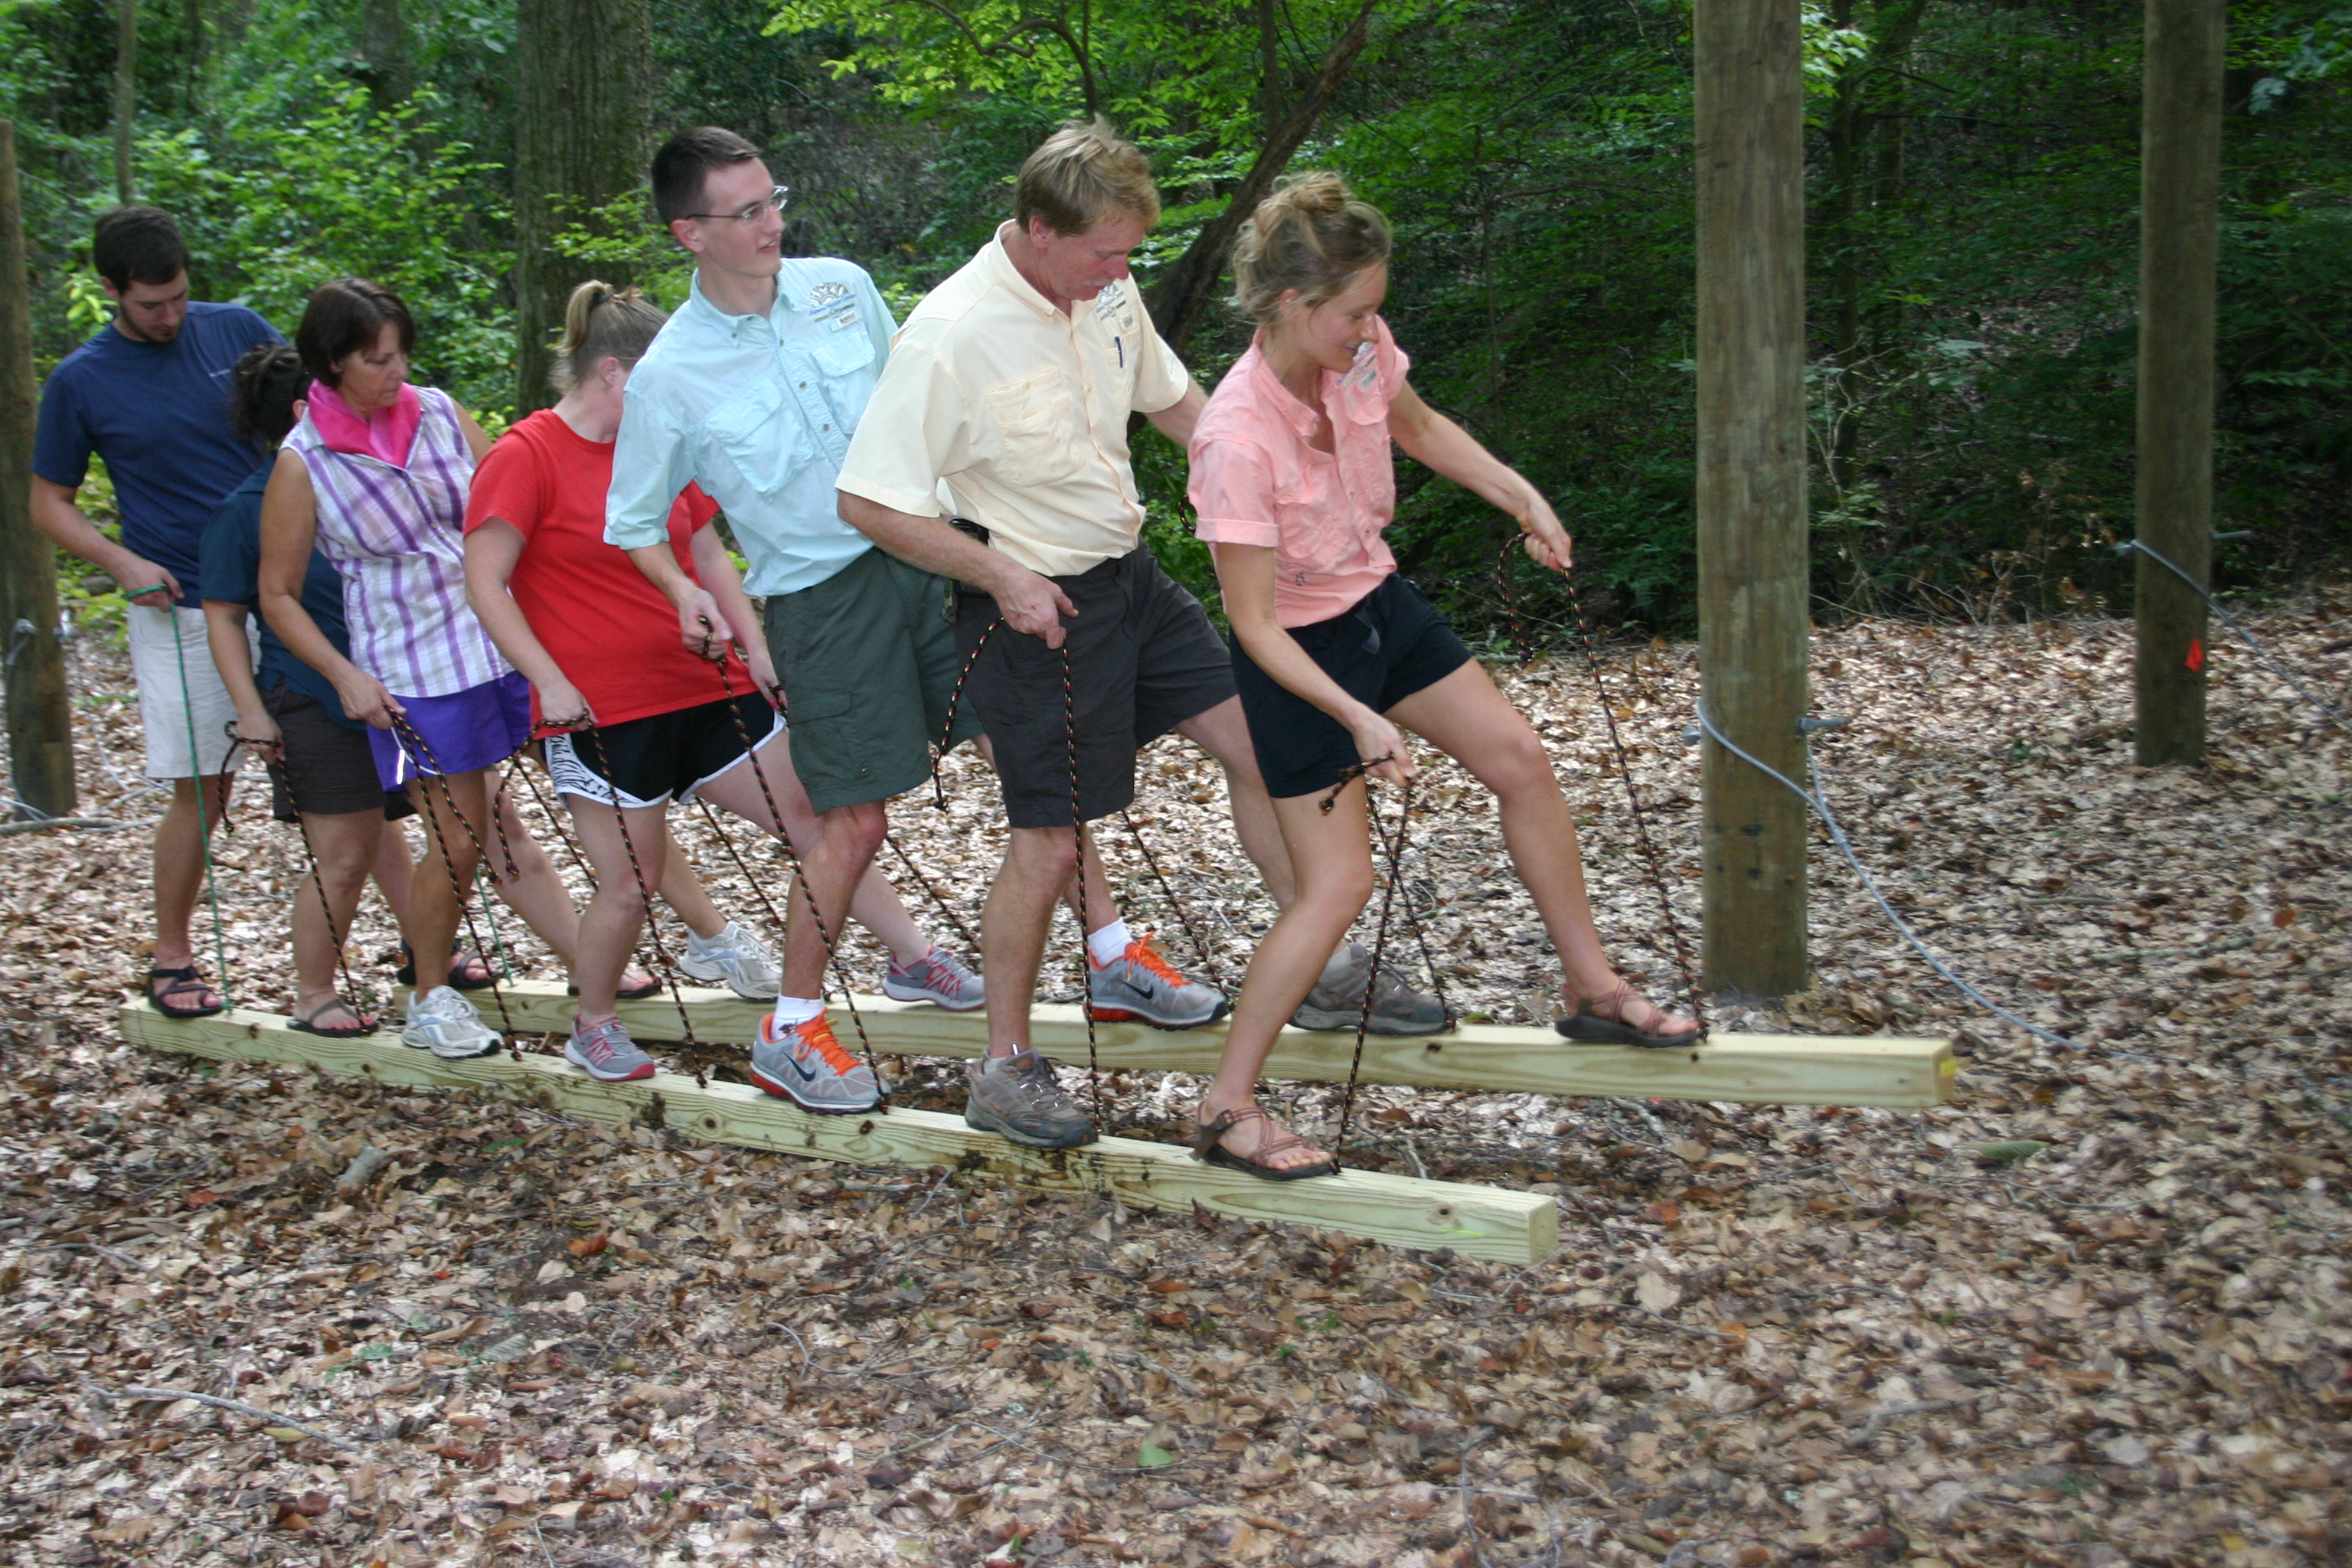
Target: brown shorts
(1142,658)
(329,769)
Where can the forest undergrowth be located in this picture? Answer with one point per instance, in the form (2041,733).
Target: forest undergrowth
(2093,1312)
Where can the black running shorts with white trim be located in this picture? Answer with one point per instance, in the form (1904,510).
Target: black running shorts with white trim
(662,757)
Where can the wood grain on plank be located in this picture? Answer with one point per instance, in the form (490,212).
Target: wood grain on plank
(1480,1222)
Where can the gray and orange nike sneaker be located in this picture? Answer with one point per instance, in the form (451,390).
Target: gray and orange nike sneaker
(807,1066)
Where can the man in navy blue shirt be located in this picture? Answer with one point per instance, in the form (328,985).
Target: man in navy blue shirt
(150,395)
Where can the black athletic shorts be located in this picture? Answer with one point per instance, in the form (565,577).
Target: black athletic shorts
(329,768)
(1387,645)
(1143,659)
(662,757)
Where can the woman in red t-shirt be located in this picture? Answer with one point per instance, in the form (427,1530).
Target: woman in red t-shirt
(641,720)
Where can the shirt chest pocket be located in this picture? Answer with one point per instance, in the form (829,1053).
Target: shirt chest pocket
(764,442)
(1310,518)
(1038,430)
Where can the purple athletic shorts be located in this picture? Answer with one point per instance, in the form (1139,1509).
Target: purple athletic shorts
(479,727)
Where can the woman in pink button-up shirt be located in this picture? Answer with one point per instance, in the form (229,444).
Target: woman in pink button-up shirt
(1336,656)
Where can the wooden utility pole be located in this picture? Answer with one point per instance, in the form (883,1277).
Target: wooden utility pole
(1753,558)
(126,93)
(582,102)
(39,722)
(2179,234)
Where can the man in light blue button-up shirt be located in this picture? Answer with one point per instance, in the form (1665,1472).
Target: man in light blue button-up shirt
(752,391)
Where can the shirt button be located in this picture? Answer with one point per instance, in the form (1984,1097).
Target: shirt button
(804,386)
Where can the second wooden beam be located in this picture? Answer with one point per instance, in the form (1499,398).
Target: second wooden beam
(1759,1069)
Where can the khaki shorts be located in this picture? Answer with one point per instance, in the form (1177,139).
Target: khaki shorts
(182,705)
(868,659)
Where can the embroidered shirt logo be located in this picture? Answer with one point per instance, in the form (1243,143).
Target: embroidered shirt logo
(1115,308)
(833,303)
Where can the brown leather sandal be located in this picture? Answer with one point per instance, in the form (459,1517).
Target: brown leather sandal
(1589,1024)
(1208,1145)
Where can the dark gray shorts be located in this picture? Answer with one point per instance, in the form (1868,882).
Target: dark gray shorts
(329,769)
(868,658)
(1143,659)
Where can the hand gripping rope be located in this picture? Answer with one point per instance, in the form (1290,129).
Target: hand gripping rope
(595,734)
(832,951)
(1650,865)
(408,737)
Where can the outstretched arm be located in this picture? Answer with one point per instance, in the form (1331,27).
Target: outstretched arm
(1433,439)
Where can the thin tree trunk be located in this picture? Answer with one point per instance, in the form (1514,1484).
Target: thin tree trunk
(583,97)
(39,721)
(1271,97)
(126,93)
(383,44)
(1181,297)
(2179,230)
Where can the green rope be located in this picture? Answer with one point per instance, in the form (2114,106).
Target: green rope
(203,828)
(483,885)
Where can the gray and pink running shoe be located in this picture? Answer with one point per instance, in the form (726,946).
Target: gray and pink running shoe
(938,976)
(605,1053)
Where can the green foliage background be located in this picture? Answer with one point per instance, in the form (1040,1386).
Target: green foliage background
(1974,200)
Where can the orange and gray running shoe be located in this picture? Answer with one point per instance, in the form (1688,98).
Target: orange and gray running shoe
(1142,985)
(808,1066)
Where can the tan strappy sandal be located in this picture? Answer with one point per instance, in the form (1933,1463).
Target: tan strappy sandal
(1602,1021)
(1208,1145)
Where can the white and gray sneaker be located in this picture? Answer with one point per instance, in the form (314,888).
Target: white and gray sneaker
(1338,999)
(445,1023)
(808,1066)
(938,976)
(1141,985)
(735,958)
(605,1053)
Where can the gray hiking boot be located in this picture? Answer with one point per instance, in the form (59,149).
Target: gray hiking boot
(1019,1099)
(1141,985)
(1338,999)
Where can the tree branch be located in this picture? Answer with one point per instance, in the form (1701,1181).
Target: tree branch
(1181,297)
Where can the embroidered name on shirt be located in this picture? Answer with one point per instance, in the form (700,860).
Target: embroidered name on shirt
(833,304)
(1115,308)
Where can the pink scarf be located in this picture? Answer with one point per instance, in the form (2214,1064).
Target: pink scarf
(386,435)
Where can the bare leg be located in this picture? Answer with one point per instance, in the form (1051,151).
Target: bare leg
(344,843)
(444,873)
(1334,860)
(180,875)
(536,891)
(1223,734)
(835,850)
(1465,717)
(608,927)
(1037,863)
(394,873)
(679,887)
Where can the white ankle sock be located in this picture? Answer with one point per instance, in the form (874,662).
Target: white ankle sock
(790,1010)
(1106,945)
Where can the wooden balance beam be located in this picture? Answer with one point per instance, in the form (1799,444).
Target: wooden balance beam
(1760,1070)
(1481,1222)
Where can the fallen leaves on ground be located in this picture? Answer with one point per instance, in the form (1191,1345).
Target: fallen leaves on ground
(2093,1312)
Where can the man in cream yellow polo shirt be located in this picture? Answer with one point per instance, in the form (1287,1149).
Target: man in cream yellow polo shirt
(1014,381)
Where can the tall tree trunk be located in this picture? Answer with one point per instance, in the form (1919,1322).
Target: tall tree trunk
(39,722)
(383,44)
(126,93)
(1271,97)
(1181,298)
(582,100)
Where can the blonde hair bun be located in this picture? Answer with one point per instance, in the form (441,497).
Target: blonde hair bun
(1311,235)
(602,322)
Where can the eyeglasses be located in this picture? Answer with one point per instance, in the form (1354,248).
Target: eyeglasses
(752,214)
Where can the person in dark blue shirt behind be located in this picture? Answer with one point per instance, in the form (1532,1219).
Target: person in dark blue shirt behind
(149,395)
(322,774)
